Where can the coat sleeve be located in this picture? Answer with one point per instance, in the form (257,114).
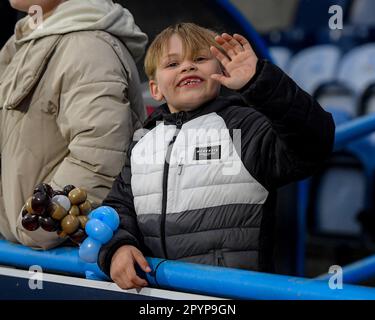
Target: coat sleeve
(285,135)
(121,199)
(96,119)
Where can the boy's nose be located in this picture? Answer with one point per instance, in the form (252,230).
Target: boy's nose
(188,66)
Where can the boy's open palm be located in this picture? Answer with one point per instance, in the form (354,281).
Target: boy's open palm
(240,62)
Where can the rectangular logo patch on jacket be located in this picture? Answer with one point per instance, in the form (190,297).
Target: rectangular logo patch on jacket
(207,153)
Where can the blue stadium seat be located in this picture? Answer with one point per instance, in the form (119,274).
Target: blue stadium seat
(356,72)
(338,195)
(337,97)
(314,66)
(348,178)
(357,69)
(280,56)
(367,105)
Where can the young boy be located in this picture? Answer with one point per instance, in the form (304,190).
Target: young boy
(200,186)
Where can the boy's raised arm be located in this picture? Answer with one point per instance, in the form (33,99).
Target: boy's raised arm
(286,135)
(289,130)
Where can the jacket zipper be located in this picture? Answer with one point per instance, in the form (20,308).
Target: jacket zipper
(179,123)
(180,167)
(219,258)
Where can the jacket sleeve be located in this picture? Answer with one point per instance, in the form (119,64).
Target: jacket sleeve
(96,119)
(286,135)
(121,199)
(96,115)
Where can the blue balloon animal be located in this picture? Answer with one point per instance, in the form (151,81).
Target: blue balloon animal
(103,221)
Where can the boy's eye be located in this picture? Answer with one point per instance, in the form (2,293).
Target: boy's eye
(171,64)
(199,59)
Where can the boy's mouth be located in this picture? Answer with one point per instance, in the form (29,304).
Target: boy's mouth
(189,81)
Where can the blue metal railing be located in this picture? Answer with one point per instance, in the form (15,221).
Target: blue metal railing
(356,272)
(241,284)
(302,203)
(353,130)
(188,277)
(64,259)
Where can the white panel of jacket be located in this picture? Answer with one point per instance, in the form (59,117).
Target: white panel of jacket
(205,169)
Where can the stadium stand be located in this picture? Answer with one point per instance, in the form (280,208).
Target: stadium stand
(281,56)
(367,103)
(338,68)
(314,66)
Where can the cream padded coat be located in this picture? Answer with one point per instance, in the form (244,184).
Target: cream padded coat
(69,104)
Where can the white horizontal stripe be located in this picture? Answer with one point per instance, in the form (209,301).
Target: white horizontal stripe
(193,184)
(107,286)
(214,196)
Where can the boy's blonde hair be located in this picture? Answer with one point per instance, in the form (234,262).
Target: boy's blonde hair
(194,38)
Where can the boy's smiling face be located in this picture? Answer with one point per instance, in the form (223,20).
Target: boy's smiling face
(185,82)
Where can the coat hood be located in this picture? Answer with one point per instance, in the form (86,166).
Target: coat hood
(85,15)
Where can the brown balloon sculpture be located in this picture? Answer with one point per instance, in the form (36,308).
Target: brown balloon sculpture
(40,211)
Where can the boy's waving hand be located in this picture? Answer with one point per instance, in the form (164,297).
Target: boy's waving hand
(240,62)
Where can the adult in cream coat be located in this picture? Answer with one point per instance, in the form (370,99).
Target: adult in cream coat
(69,103)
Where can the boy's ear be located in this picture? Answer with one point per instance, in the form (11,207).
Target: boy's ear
(154,90)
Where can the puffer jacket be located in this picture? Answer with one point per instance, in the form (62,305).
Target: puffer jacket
(70,101)
(201,184)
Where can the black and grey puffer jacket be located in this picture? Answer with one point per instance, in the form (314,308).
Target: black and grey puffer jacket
(200,185)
